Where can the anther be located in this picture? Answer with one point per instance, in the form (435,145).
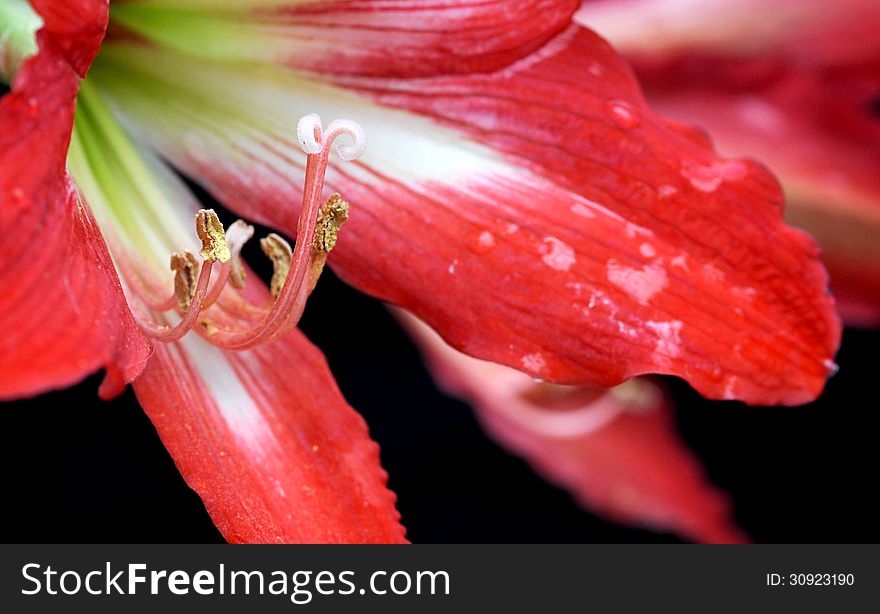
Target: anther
(211,234)
(186,274)
(279,252)
(333,215)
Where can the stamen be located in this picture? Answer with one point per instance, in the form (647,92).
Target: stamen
(186,274)
(334,214)
(189,291)
(279,252)
(210,232)
(290,299)
(295,271)
(168,334)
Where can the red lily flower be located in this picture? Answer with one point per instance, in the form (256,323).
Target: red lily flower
(518,195)
(798,92)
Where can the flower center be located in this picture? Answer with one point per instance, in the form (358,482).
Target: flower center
(296,271)
(136,200)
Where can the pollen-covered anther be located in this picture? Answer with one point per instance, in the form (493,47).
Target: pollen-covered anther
(332,216)
(186,274)
(212,236)
(279,252)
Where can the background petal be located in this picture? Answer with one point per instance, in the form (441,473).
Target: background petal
(805,31)
(616,451)
(64,314)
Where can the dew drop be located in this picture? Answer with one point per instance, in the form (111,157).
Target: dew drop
(481,242)
(667,191)
(709,178)
(622,113)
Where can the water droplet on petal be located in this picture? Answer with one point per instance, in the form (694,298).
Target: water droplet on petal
(708,178)
(667,191)
(481,242)
(623,113)
(33,107)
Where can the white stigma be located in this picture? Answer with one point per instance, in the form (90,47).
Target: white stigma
(310,133)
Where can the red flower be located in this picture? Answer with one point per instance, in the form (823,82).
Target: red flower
(517,194)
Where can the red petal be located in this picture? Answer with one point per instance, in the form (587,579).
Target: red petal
(546,219)
(686,259)
(805,31)
(268,442)
(815,129)
(379,38)
(616,451)
(363,37)
(75,27)
(64,314)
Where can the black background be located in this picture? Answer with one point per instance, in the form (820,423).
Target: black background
(77,469)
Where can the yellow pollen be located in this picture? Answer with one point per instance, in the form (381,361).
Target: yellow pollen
(333,215)
(279,252)
(186,273)
(213,238)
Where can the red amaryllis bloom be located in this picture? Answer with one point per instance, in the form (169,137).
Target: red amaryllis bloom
(793,84)
(518,195)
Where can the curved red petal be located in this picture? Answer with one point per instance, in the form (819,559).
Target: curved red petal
(541,216)
(816,129)
(380,38)
(358,37)
(616,451)
(63,311)
(75,27)
(268,442)
(644,252)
